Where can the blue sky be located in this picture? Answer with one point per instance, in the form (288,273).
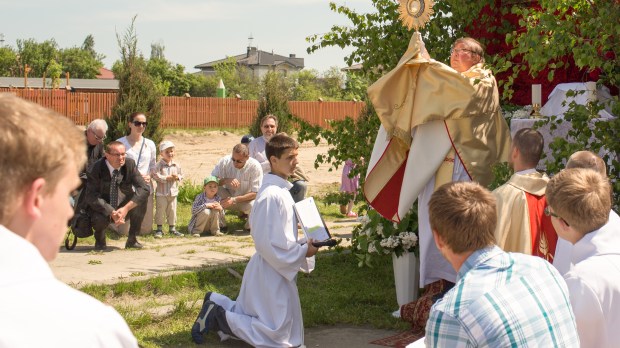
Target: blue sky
(193,31)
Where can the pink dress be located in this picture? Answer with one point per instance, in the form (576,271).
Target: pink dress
(349,184)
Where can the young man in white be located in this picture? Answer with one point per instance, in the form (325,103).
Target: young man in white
(580,207)
(267,312)
(41,154)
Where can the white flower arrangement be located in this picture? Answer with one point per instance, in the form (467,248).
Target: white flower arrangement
(376,235)
(523,112)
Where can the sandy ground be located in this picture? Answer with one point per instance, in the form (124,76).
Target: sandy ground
(198,153)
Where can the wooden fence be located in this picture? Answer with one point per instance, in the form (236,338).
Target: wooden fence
(182,112)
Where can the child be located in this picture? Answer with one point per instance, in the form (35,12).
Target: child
(167,174)
(206,210)
(267,312)
(349,185)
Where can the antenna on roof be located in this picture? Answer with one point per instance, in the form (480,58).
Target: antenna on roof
(250,39)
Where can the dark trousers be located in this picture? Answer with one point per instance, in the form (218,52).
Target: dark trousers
(100,222)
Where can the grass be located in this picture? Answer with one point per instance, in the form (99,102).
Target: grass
(161,310)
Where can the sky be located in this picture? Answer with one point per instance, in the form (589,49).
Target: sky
(192,31)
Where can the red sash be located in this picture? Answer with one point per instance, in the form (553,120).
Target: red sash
(544,237)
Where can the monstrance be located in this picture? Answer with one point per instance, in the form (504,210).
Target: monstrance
(415,13)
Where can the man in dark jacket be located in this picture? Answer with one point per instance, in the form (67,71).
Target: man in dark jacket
(114,190)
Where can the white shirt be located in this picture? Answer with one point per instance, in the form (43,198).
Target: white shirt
(257,151)
(267,312)
(250,176)
(594,285)
(147,159)
(37,310)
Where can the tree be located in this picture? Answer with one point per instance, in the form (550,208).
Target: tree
(237,79)
(89,46)
(274,100)
(80,63)
(38,56)
(332,82)
(137,91)
(8,62)
(305,85)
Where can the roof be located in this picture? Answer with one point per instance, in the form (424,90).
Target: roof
(37,82)
(105,74)
(256,57)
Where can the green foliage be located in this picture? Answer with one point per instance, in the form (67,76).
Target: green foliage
(305,85)
(587,132)
(583,30)
(80,63)
(137,91)
(8,62)
(237,79)
(54,70)
(274,100)
(379,236)
(38,56)
(188,191)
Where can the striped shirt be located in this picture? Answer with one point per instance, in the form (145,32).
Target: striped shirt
(250,176)
(162,171)
(200,204)
(503,300)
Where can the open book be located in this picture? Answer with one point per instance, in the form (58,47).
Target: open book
(311,221)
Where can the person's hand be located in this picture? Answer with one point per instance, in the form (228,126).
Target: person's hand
(234,183)
(175,177)
(171,178)
(225,203)
(312,250)
(216,206)
(423,50)
(118,216)
(147,178)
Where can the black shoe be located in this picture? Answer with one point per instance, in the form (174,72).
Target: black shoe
(133,245)
(100,247)
(205,321)
(223,228)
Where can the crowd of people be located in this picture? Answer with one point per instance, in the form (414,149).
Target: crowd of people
(536,262)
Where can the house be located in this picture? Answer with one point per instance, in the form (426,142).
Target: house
(76,85)
(259,62)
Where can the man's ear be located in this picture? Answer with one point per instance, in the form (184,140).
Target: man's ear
(438,240)
(33,199)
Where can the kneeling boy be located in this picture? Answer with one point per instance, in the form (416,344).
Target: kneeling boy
(267,312)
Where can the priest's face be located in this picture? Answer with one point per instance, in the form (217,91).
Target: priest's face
(462,57)
(286,164)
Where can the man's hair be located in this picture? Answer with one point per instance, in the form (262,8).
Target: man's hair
(530,144)
(473,45)
(581,197)
(98,124)
(35,142)
(464,215)
(109,145)
(241,149)
(278,144)
(266,117)
(587,159)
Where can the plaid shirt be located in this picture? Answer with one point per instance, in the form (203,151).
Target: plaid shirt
(503,300)
(200,204)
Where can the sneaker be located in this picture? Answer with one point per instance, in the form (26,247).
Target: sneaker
(204,321)
(195,234)
(176,233)
(158,234)
(217,233)
(352,215)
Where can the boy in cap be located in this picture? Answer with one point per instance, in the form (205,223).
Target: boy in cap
(167,174)
(206,210)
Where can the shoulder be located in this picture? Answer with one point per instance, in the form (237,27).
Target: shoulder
(150,143)
(254,164)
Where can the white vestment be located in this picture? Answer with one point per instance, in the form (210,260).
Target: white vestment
(38,310)
(267,312)
(594,285)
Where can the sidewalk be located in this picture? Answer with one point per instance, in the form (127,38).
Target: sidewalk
(82,266)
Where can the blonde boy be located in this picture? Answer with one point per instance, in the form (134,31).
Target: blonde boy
(41,155)
(206,210)
(168,174)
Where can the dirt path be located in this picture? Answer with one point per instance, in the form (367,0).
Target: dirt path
(198,153)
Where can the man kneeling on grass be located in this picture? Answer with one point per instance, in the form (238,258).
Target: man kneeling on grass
(267,312)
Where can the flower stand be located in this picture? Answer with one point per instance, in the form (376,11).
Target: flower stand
(406,279)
